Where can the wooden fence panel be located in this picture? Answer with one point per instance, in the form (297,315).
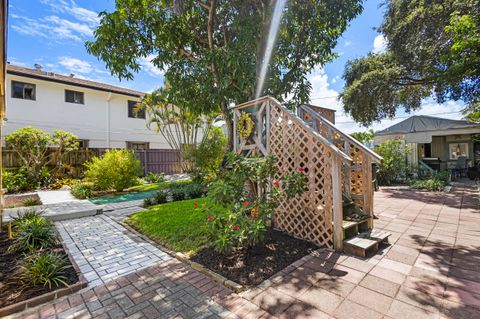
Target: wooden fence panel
(153,160)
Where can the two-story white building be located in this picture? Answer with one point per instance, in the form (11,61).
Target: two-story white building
(101,115)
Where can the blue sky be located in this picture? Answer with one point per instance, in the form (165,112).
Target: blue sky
(52,33)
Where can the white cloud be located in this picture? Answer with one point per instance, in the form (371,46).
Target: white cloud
(75,65)
(14,61)
(148,66)
(347,43)
(379,44)
(58,27)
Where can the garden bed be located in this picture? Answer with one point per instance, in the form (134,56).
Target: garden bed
(11,289)
(250,267)
(21,200)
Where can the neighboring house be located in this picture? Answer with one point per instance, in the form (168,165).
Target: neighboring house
(101,115)
(438,142)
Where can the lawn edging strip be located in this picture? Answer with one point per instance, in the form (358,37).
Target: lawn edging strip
(49,296)
(184,258)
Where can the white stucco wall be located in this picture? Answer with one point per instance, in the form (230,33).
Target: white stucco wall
(103,126)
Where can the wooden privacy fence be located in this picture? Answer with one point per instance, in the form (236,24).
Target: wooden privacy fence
(153,160)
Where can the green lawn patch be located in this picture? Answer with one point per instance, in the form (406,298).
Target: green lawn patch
(157,186)
(177,225)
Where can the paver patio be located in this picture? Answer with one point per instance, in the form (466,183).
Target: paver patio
(429,271)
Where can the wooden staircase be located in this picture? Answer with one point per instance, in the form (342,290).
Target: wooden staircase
(358,236)
(336,210)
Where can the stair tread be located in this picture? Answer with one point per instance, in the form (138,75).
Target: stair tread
(379,235)
(360,242)
(350,223)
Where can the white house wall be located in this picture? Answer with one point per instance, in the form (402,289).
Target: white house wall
(101,124)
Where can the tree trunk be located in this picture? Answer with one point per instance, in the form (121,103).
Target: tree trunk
(230,128)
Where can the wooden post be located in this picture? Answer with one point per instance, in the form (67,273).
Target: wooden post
(348,172)
(337,203)
(368,188)
(235,138)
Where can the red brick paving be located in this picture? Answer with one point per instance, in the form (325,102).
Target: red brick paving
(431,270)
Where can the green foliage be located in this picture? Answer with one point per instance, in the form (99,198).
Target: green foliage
(44,268)
(178,193)
(433,46)
(116,169)
(208,155)
(59,183)
(247,190)
(394,166)
(162,185)
(147,202)
(32,145)
(435,181)
(230,230)
(177,225)
(154,177)
(32,232)
(82,190)
(363,137)
(16,181)
(219,59)
(32,202)
(160,197)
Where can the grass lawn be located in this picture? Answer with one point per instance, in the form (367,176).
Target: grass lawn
(155,186)
(177,225)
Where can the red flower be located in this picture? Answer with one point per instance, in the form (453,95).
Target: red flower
(276,183)
(195,204)
(210,218)
(235,227)
(301,169)
(246,203)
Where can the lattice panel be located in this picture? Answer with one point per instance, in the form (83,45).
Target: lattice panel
(308,216)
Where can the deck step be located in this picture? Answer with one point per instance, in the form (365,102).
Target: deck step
(360,246)
(350,223)
(375,234)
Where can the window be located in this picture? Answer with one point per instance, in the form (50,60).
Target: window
(457,149)
(73,97)
(82,143)
(22,90)
(133,112)
(137,145)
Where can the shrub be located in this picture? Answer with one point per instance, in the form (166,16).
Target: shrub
(394,166)
(154,177)
(178,193)
(116,169)
(32,146)
(33,232)
(194,190)
(433,182)
(147,202)
(32,202)
(17,181)
(59,183)
(82,191)
(45,268)
(160,197)
(236,189)
(208,155)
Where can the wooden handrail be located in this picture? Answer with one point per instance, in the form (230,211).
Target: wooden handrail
(339,153)
(377,158)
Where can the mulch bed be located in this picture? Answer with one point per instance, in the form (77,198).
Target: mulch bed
(11,290)
(18,200)
(250,267)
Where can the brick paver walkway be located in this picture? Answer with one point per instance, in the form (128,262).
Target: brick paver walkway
(105,250)
(430,271)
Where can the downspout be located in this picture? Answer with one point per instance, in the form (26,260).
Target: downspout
(109,97)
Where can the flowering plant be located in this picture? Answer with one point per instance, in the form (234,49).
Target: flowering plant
(247,189)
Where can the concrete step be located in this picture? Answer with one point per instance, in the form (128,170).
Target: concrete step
(59,211)
(360,246)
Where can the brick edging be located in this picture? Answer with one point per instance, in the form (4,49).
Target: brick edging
(49,296)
